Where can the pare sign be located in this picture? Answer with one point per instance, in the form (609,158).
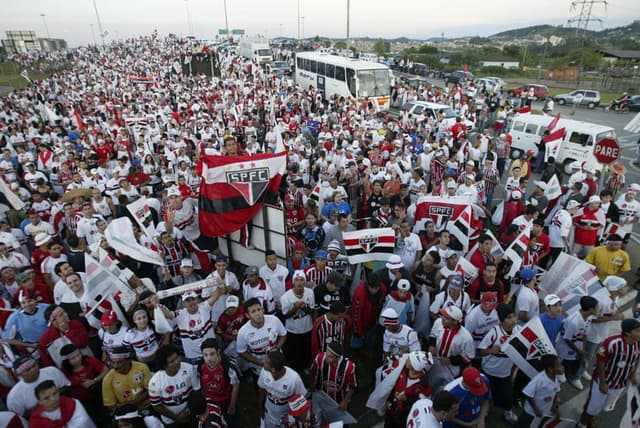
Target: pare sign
(606,151)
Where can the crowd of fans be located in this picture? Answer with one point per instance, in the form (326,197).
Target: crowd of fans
(125,123)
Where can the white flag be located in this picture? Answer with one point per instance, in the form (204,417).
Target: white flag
(527,345)
(553,190)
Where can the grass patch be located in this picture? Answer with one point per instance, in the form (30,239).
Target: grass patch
(10,75)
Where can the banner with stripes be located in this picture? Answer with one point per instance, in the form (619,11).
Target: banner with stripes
(369,244)
(583,281)
(100,288)
(516,250)
(526,346)
(234,188)
(141,211)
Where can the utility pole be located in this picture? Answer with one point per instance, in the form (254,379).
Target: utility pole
(189,23)
(582,21)
(46,27)
(226,22)
(298,19)
(102,33)
(348,18)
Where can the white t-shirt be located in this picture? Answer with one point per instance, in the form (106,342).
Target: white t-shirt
(32,230)
(275,279)
(186,219)
(409,248)
(597,332)
(22,397)
(401,342)
(144,343)
(421,416)
(444,300)
(173,391)
(301,321)
(262,292)
(280,390)
(87,229)
(479,323)
(527,302)
(79,419)
(560,227)
(259,341)
(573,328)
(543,391)
(628,211)
(110,341)
(496,365)
(49,263)
(231,281)
(193,329)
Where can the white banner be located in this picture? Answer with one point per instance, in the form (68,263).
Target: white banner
(12,198)
(633,125)
(101,286)
(142,213)
(194,286)
(517,249)
(119,234)
(553,190)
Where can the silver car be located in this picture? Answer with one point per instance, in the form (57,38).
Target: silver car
(584,97)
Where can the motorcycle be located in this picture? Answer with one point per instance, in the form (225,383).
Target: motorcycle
(618,105)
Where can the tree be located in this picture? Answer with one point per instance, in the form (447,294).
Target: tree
(340,45)
(379,47)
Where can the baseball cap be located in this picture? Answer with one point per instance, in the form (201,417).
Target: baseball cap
(299,246)
(288,197)
(449,253)
(420,360)
(614,283)
(452,312)
(186,263)
(489,300)
(473,380)
(456,282)
(251,270)
(189,295)
(108,318)
(321,254)
(333,246)
(299,274)
(451,184)
(173,191)
(222,259)
(540,184)
(528,274)
(404,284)
(232,302)
(551,299)
(298,405)
(389,317)
(572,204)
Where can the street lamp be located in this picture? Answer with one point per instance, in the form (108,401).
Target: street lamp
(46,27)
(298,19)
(102,33)
(226,20)
(302,17)
(348,18)
(186,2)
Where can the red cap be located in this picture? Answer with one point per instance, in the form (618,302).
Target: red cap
(474,382)
(489,300)
(299,246)
(298,405)
(109,318)
(288,197)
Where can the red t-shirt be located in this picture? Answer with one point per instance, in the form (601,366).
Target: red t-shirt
(89,371)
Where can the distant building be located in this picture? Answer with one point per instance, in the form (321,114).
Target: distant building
(497,61)
(615,55)
(19,42)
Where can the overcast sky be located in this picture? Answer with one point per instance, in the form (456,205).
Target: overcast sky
(72,19)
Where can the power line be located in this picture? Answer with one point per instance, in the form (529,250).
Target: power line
(582,21)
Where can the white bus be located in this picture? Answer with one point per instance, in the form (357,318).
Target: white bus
(353,79)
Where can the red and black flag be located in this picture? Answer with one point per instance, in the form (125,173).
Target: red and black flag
(234,188)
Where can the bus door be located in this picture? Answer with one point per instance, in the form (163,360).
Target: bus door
(320,84)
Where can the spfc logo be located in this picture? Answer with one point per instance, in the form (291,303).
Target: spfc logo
(368,242)
(440,215)
(250,181)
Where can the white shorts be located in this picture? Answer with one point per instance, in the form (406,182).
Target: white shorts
(599,401)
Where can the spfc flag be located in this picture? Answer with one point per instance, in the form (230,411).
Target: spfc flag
(516,250)
(233,190)
(369,244)
(440,210)
(527,346)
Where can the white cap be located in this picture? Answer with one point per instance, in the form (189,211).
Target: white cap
(452,312)
(551,299)
(186,263)
(573,204)
(395,262)
(299,274)
(404,284)
(173,191)
(614,283)
(516,195)
(451,184)
(189,295)
(389,313)
(232,302)
(595,199)
(420,360)
(540,184)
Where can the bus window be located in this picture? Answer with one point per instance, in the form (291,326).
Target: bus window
(330,70)
(312,66)
(531,128)
(320,68)
(373,83)
(340,73)
(299,61)
(351,81)
(305,64)
(518,126)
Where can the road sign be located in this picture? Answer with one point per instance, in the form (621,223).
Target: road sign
(222,32)
(237,32)
(606,151)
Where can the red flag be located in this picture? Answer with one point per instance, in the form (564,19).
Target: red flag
(466,68)
(552,143)
(78,119)
(554,122)
(557,135)
(234,188)
(525,110)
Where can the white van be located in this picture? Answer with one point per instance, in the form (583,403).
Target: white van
(432,109)
(257,50)
(577,144)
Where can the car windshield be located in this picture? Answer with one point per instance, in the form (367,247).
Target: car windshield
(607,134)
(263,52)
(279,64)
(448,112)
(374,83)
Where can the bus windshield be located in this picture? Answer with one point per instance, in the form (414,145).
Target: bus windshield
(263,52)
(373,83)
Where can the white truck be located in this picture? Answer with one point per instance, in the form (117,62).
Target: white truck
(257,50)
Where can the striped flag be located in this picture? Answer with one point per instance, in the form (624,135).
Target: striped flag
(612,229)
(496,248)
(234,188)
(552,143)
(369,244)
(553,123)
(516,250)
(77,119)
(460,227)
(526,346)
(553,190)
(101,286)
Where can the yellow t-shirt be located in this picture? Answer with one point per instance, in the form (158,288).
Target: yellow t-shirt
(609,262)
(119,389)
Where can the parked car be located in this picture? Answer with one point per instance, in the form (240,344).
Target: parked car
(279,67)
(420,69)
(634,103)
(540,92)
(432,109)
(590,98)
(490,84)
(456,77)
